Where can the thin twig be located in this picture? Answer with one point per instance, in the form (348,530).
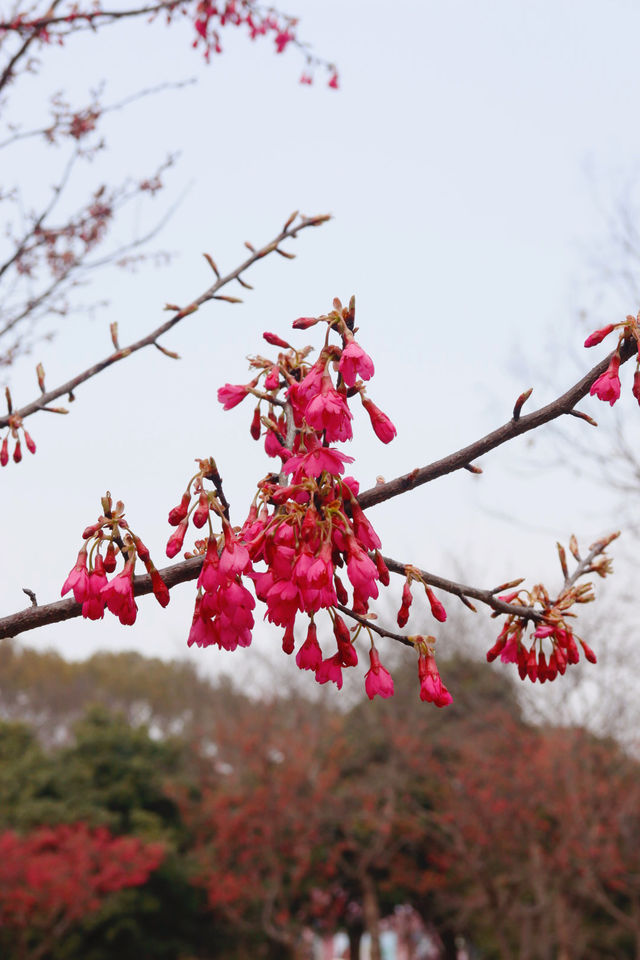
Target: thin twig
(209,294)
(462,590)
(511,429)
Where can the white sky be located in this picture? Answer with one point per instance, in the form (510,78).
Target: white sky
(457,158)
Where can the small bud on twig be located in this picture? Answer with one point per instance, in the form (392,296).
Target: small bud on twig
(471,467)
(520,402)
(114,334)
(573,546)
(563,559)
(40,376)
(290,221)
(583,416)
(212,264)
(167,353)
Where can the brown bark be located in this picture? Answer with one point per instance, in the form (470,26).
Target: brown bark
(371,912)
(355,939)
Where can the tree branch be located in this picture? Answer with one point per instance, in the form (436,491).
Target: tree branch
(514,428)
(45,399)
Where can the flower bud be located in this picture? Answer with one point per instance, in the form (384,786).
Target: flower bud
(176,539)
(178,513)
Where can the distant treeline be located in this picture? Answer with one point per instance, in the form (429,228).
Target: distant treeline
(148,813)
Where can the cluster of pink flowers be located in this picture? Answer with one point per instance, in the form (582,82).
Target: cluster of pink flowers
(607,386)
(532,661)
(306,545)
(15,426)
(88,578)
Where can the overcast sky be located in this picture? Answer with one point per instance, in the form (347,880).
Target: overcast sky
(461,159)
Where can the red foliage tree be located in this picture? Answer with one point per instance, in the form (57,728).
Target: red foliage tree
(55,876)
(540,833)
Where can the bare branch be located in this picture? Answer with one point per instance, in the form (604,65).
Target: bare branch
(462,590)
(46,398)
(514,428)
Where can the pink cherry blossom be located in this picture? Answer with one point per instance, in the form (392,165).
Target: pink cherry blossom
(607,386)
(309,656)
(355,362)
(230,395)
(330,671)
(118,595)
(93,606)
(78,579)
(598,336)
(315,461)
(432,689)
(328,411)
(382,425)
(377,680)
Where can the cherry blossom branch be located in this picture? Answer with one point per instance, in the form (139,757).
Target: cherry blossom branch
(462,590)
(369,624)
(289,231)
(40,616)
(463,458)
(186,570)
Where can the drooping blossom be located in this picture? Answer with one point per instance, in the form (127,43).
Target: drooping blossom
(328,411)
(407,600)
(607,386)
(174,544)
(118,595)
(437,608)
(355,362)
(432,689)
(309,656)
(93,605)
(377,681)
(316,460)
(78,579)
(364,531)
(160,589)
(330,671)
(382,425)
